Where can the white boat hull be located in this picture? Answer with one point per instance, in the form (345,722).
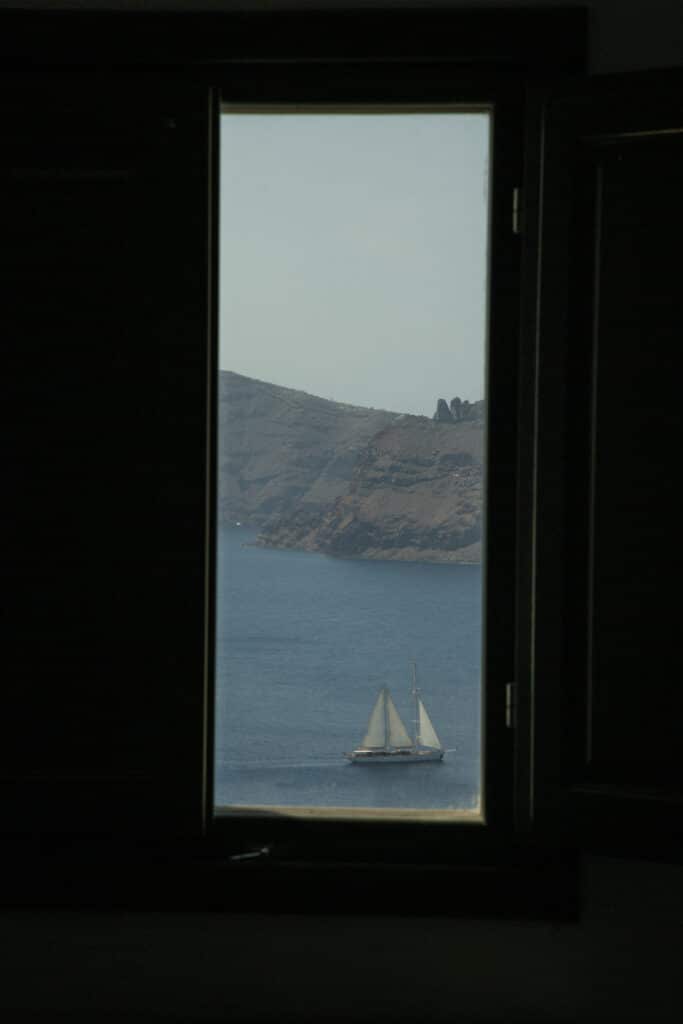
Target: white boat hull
(394,756)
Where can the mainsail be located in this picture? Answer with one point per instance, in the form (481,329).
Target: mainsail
(385,728)
(426,731)
(376,732)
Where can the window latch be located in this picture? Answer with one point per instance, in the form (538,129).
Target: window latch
(262,851)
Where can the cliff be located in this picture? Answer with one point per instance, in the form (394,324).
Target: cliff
(283,452)
(415,495)
(323,476)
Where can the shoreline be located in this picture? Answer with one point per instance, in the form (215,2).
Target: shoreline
(402,555)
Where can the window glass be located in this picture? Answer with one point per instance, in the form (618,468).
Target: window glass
(352,420)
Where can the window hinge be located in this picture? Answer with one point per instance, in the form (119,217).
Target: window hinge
(510,705)
(517,210)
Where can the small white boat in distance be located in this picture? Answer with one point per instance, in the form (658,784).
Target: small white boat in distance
(387,741)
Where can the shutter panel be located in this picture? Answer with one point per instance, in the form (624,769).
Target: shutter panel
(105,271)
(606,692)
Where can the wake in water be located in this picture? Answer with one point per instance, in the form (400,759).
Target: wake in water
(319,762)
(322,762)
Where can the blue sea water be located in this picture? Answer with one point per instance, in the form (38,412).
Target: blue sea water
(305,642)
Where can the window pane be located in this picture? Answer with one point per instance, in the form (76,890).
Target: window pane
(353,298)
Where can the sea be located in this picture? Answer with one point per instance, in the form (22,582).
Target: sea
(304,644)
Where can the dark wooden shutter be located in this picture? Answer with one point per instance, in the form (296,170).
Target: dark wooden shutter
(105,199)
(606,690)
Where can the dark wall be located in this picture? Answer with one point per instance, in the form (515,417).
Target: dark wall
(626,35)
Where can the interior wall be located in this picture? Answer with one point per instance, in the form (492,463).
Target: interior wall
(621,963)
(625,35)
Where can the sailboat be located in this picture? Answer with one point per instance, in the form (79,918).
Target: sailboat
(386,739)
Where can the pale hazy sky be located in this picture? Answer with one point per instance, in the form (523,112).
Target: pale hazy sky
(353,254)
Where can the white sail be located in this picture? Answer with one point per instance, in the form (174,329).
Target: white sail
(427,732)
(398,735)
(376,732)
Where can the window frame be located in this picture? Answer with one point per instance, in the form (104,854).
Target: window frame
(422,844)
(429,87)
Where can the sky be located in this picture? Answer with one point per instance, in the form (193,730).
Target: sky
(353,251)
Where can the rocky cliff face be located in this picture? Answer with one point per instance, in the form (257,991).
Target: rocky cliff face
(347,481)
(415,494)
(284,452)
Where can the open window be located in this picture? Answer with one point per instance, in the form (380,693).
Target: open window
(299,682)
(575,168)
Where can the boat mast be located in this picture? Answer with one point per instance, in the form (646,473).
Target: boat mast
(416,719)
(387,733)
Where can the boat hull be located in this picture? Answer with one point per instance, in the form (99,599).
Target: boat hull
(375,757)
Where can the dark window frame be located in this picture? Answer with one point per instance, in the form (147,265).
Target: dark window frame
(429,86)
(320,844)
